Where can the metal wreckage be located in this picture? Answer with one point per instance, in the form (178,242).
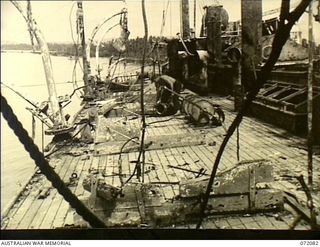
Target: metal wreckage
(143,149)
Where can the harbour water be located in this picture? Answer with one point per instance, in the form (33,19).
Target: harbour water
(24,72)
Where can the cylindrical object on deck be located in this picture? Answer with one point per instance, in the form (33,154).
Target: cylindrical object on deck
(198,109)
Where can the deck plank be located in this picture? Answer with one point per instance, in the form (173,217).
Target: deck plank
(57,198)
(79,191)
(62,211)
(176,161)
(22,212)
(163,177)
(45,203)
(32,206)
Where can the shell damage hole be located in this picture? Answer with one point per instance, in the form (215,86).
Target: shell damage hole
(216,184)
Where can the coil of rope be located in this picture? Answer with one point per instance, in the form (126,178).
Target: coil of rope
(45,168)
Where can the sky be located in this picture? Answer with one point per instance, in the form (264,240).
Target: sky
(53,18)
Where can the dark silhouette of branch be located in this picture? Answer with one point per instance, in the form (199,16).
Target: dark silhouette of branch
(280,38)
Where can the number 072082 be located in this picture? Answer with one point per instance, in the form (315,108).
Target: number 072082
(310,243)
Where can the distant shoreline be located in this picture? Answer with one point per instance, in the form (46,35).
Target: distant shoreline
(54,53)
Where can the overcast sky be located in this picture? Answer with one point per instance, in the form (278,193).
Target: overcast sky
(53,18)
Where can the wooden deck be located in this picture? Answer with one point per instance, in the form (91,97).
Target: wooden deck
(41,207)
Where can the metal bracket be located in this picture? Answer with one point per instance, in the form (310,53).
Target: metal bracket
(252,187)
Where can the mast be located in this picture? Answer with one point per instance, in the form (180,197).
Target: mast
(54,104)
(185,23)
(80,28)
(29,16)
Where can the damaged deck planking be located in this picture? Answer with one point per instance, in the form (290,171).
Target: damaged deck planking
(257,141)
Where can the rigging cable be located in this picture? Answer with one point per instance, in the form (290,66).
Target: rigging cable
(164,17)
(120,161)
(45,168)
(19,94)
(140,170)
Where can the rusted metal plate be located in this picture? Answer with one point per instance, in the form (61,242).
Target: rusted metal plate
(151,209)
(237,180)
(235,192)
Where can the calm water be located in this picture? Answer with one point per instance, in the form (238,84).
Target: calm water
(25,72)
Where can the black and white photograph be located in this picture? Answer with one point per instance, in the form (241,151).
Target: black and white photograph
(160,119)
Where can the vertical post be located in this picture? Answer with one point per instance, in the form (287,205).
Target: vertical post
(185,24)
(80,25)
(251,18)
(310,97)
(237,86)
(140,166)
(214,40)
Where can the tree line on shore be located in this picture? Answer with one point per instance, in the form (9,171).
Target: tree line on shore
(134,48)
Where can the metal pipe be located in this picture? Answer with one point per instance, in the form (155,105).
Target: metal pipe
(98,47)
(96,29)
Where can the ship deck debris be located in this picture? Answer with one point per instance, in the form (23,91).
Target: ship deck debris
(176,151)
